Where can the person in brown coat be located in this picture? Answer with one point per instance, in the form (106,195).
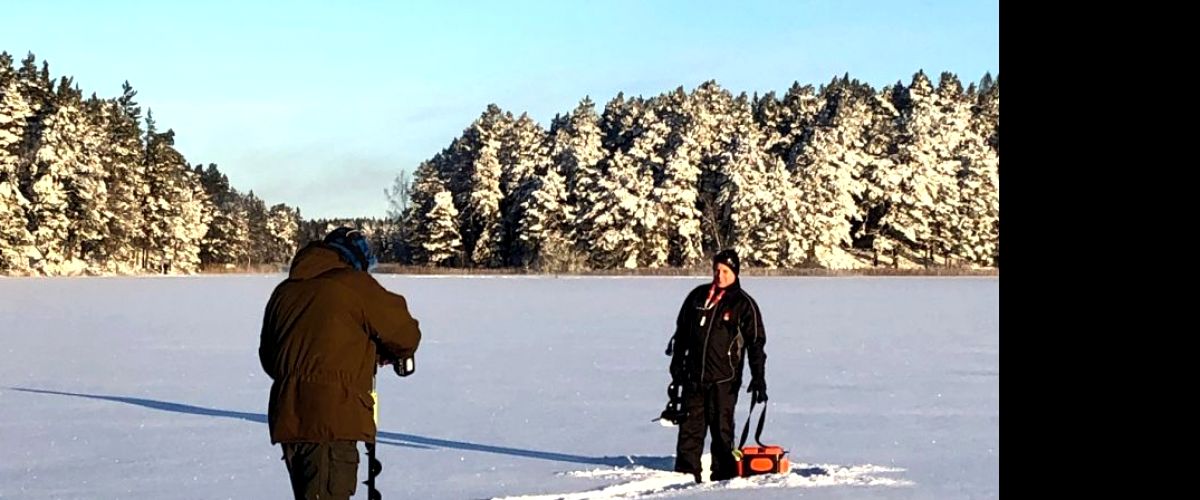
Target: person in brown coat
(326,329)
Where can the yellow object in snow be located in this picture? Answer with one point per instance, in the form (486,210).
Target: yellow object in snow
(375,406)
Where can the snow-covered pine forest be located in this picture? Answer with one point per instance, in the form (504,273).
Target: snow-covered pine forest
(838,176)
(93,186)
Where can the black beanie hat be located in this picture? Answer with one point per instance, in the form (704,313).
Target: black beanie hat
(730,258)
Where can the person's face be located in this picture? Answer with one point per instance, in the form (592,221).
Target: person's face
(724,275)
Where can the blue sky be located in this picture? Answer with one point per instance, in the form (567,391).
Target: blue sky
(320,105)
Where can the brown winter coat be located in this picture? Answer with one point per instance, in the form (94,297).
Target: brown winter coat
(322,331)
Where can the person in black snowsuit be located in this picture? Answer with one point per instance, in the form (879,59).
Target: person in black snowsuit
(718,328)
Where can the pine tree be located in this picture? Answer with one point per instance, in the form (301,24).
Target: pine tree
(55,161)
(676,188)
(611,235)
(829,170)
(227,239)
(443,245)
(16,242)
(283,226)
(476,188)
(525,161)
(125,176)
(427,183)
(925,173)
(88,189)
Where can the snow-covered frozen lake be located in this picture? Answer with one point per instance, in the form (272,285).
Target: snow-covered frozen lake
(525,386)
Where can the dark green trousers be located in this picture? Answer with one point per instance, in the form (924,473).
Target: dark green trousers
(322,471)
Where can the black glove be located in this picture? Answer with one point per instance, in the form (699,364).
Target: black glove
(757,391)
(405,366)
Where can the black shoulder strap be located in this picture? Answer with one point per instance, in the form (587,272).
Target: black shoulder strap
(762,420)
